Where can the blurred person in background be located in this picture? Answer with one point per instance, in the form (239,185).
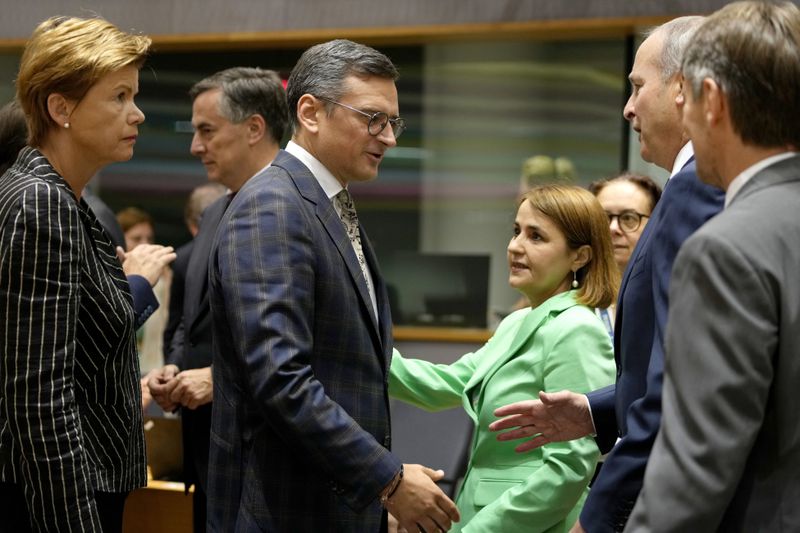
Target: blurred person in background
(137,226)
(138,230)
(70,407)
(199,199)
(628,201)
(13,134)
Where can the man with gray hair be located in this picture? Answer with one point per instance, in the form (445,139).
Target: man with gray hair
(300,434)
(630,410)
(728,454)
(239,117)
(199,199)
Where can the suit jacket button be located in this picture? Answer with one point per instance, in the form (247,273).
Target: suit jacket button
(387,441)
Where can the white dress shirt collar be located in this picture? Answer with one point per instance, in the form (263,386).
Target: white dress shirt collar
(683,157)
(326,180)
(748,173)
(332,187)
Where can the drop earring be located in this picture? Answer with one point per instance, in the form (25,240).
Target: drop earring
(575,279)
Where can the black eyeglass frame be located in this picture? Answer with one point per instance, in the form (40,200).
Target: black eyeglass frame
(398,123)
(618,216)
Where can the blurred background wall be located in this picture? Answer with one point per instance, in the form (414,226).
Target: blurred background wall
(484,85)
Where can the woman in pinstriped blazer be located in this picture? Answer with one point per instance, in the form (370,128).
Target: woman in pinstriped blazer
(71,440)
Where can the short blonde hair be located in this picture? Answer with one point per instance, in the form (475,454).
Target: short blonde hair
(579,216)
(67,55)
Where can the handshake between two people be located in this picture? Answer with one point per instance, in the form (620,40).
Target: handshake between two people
(417,504)
(554,417)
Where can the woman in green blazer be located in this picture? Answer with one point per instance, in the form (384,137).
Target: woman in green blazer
(560,257)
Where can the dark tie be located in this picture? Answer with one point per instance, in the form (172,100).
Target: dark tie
(350,220)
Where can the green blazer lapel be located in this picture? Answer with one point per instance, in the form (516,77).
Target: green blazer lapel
(510,345)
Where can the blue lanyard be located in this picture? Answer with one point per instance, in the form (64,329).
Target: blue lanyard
(606,318)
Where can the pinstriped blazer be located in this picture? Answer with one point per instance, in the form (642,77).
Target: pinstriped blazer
(300,426)
(70,401)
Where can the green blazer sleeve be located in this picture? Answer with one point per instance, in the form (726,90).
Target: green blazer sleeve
(559,345)
(435,387)
(578,357)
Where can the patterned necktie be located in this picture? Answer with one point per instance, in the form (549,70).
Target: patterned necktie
(350,220)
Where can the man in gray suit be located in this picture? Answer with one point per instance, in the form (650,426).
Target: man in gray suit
(728,454)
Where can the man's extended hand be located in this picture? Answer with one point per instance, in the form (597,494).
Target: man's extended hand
(146,260)
(193,388)
(161,382)
(419,503)
(555,417)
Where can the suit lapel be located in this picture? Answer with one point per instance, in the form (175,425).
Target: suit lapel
(381,297)
(510,346)
(196,291)
(641,248)
(333,225)
(310,189)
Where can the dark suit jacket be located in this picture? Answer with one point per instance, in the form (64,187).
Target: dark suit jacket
(191,343)
(632,408)
(300,428)
(173,331)
(70,399)
(728,454)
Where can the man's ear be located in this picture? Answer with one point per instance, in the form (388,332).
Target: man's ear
(58,108)
(308,112)
(714,102)
(256,128)
(582,257)
(676,84)
(680,81)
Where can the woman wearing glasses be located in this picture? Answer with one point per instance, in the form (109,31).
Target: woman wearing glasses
(628,200)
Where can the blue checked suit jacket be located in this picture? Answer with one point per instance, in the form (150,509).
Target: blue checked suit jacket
(631,409)
(300,430)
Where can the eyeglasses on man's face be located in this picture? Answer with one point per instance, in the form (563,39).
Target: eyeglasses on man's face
(377,121)
(628,220)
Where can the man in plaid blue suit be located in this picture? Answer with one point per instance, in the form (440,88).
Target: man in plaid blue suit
(300,432)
